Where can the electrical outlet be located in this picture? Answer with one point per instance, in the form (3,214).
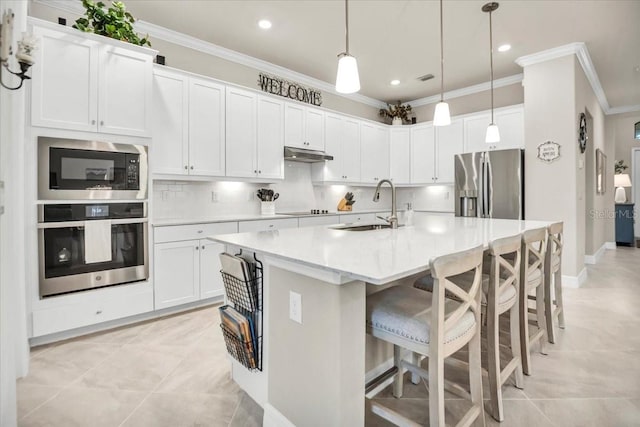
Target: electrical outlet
(446,195)
(295,307)
(252,196)
(214,197)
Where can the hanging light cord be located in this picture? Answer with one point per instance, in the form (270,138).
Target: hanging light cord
(441,56)
(491,59)
(346,20)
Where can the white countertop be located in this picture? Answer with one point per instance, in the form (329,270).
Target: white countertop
(378,256)
(163,222)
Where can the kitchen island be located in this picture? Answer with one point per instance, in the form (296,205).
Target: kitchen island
(314,370)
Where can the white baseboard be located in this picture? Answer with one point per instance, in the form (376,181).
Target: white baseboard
(593,259)
(610,245)
(274,418)
(574,281)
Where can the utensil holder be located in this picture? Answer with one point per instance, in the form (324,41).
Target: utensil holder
(268,208)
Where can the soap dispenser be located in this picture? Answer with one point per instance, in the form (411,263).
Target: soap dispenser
(409,215)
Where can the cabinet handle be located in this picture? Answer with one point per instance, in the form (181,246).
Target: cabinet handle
(259,171)
(199,231)
(99,312)
(255,171)
(203,247)
(270,225)
(93,122)
(191,167)
(197,248)
(186,167)
(101,122)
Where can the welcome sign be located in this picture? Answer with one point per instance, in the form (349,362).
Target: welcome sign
(287,89)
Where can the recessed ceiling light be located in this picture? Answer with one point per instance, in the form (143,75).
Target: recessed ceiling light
(265,24)
(395,82)
(504,47)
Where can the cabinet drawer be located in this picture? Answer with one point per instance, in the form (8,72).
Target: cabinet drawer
(98,309)
(176,233)
(266,225)
(318,220)
(350,218)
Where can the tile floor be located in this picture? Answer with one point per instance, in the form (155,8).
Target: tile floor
(173,372)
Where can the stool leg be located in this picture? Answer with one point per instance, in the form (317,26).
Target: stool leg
(524,329)
(540,315)
(415,378)
(557,285)
(493,356)
(548,308)
(398,381)
(475,377)
(516,350)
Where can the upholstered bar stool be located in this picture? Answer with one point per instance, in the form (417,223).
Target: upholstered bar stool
(500,287)
(436,327)
(553,306)
(532,280)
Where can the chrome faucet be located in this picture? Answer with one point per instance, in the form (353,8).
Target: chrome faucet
(393,219)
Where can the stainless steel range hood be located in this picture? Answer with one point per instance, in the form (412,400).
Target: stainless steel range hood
(307,156)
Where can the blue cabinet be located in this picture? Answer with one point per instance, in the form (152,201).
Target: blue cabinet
(624,224)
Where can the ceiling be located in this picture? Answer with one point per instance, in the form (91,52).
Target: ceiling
(400,39)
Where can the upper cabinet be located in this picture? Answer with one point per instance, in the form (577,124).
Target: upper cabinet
(510,123)
(433,150)
(342,141)
(423,148)
(304,127)
(400,150)
(188,125)
(270,150)
(82,84)
(449,142)
(374,152)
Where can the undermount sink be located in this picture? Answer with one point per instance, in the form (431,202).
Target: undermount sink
(362,227)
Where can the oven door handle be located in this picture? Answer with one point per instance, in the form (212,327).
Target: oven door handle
(65,224)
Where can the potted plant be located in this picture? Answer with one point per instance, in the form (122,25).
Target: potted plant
(114,22)
(620,167)
(398,113)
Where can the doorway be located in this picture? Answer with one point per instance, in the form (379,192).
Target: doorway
(635,186)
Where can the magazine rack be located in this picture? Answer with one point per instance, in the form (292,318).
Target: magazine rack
(246,297)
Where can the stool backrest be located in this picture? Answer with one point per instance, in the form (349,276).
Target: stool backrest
(534,245)
(505,265)
(555,242)
(443,270)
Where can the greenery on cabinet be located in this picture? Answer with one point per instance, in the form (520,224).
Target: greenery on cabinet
(396,111)
(620,167)
(114,22)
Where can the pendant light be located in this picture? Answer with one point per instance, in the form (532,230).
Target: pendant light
(347,79)
(441,116)
(493,134)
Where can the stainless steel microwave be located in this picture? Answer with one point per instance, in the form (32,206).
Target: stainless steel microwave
(71,169)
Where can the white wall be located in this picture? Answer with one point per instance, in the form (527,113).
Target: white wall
(14,350)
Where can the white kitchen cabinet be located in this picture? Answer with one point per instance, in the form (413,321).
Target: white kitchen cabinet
(304,127)
(510,123)
(267,225)
(374,153)
(210,278)
(270,150)
(423,148)
(342,141)
(241,133)
(177,273)
(82,84)
(400,155)
(206,128)
(449,142)
(312,221)
(188,125)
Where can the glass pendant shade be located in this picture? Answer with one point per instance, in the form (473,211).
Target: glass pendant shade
(348,79)
(493,134)
(441,116)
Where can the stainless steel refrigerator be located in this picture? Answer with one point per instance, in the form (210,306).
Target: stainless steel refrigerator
(490,184)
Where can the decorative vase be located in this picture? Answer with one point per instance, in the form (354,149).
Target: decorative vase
(397,121)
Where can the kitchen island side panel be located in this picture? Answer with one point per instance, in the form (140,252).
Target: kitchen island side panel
(316,369)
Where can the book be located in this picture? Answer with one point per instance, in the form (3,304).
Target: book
(241,327)
(241,292)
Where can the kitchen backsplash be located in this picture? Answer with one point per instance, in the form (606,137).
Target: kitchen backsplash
(201,199)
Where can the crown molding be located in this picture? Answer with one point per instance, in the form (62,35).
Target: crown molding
(549,54)
(625,109)
(469,90)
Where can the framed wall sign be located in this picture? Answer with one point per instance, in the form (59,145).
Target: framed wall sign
(601,172)
(286,89)
(549,151)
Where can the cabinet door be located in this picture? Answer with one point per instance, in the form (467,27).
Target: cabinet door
(64,89)
(124,92)
(374,149)
(210,278)
(423,155)
(170,145)
(450,140)
(350,154)
(177,273)
(400,150)
(270,138)
(241,133)
(475,131)
(334,144)
(206,128)
(511,126)
(314,132)
(294,127)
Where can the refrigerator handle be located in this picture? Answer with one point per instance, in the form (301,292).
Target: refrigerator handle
(483,194)
(488,192)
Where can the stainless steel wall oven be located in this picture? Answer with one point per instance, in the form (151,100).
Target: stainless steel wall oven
(91,245)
